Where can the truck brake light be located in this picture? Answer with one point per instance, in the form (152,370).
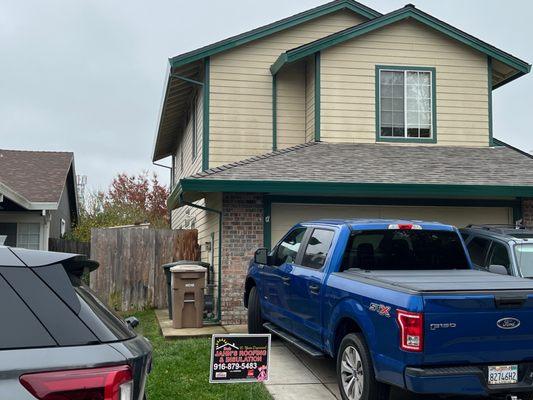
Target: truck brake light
(108,383)
(411,330)
(405,227)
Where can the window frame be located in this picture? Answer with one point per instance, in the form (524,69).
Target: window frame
(405,139)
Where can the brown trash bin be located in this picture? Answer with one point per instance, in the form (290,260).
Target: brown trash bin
(188,283)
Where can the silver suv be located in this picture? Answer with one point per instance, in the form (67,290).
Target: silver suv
(500,248)
(57,340)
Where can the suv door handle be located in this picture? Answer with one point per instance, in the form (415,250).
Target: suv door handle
(314,288)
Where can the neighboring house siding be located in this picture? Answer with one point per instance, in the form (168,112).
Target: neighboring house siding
(348,84)
(241,88)
(310,101)
(291,106)
(63,212)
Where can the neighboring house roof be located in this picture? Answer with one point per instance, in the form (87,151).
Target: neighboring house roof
(373,169)
(271,28)
(194,66)
(34,179)
(519,67)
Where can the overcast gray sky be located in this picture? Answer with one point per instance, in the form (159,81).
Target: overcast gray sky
(87,75)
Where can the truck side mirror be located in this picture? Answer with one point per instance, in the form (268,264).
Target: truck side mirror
(498,269)
(261,256)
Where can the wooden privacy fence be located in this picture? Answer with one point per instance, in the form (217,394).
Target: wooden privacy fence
(69,246)
(130,276)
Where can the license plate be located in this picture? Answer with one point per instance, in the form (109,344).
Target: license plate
(503,375)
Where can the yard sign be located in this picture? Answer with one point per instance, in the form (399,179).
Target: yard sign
(240,358)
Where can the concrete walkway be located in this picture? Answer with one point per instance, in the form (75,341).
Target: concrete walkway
(296,376)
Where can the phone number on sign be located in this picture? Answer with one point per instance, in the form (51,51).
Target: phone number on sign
(234,366)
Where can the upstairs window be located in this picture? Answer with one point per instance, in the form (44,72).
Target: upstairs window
(405,104)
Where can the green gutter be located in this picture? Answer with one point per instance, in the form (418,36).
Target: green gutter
(274,27)
(489,88)
(396,16)
(205,114)
(317,97)
(353,189)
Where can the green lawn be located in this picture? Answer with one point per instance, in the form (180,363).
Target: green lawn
(181,369)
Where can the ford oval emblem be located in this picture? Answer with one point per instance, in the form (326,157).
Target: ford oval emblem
(508,323)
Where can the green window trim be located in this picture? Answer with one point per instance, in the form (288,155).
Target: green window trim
(274,112)
(205,114)
(317,97)
(194,122)
(432,70)
(489,89)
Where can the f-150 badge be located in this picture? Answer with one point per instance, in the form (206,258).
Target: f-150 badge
(381,309)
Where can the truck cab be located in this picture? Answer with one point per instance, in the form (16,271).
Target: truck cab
(396,303)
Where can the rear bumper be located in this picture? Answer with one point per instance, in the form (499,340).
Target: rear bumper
(467,380)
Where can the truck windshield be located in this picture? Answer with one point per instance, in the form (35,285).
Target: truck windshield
(524,257)
(405,249)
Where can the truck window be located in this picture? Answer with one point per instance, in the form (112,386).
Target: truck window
(317,248)
(500,256)
(405,250)
(478,249)
(287,250)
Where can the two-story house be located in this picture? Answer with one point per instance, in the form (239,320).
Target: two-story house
(339,111)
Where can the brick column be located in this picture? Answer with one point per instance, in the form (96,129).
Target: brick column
(242,234)
(527,211)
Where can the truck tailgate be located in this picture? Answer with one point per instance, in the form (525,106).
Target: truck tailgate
(478,327)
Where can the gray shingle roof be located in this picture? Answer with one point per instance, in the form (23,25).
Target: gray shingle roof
(38,176)
(383,163)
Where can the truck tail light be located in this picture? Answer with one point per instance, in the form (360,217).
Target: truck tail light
(109,383)
(411,330)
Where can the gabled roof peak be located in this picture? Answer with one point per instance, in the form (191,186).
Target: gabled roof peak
(271,28)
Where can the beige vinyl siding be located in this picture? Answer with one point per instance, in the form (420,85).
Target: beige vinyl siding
(241,88)
(348,84)
(189,217)
(291,106)
(310,100)
(284,216)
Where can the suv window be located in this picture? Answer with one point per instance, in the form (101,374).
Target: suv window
(478,249)
(405,250)
(21,329)
(499,256)
(317,248)
(287,250)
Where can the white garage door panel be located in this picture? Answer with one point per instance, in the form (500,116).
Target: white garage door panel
(284,216)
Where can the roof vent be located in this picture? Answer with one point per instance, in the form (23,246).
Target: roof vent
(410,5)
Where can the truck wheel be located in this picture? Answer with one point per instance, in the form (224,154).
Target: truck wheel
(255,320)
(355,372)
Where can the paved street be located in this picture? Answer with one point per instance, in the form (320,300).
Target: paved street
(296,376)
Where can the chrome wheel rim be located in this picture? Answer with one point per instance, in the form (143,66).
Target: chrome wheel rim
(352,374)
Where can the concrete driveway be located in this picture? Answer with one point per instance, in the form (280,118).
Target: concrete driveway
(296,376)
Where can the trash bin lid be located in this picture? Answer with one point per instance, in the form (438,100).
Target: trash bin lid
(185,262)
(187,268)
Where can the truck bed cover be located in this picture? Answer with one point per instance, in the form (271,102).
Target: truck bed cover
(448,281)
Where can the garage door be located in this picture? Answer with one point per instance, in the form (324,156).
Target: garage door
(283,216)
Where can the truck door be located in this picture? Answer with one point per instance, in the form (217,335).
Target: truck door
(306,285)
(275,278)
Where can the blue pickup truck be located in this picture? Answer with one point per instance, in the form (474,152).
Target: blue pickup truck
(395,303)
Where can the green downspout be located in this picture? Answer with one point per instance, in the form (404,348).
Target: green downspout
(219,280)
(489,79)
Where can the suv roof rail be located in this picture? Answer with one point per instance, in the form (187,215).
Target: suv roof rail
(502,228)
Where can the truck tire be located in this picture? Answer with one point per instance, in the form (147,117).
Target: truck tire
(355,372)
(255,320)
